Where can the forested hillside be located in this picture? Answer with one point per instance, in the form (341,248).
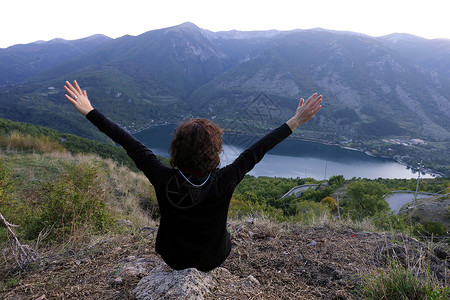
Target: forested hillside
(29,137)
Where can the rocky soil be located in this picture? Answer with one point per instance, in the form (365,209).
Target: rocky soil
(268,261)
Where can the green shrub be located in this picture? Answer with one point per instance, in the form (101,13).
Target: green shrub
(241,208)
(389,222)
(71,205)
(308,212)
(307,180)
(434,228)
(330,203)
(312,194)
(430,229)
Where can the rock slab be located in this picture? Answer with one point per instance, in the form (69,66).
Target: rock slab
(164,283)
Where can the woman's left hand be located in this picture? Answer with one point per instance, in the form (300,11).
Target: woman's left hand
(78,98)
(305,111)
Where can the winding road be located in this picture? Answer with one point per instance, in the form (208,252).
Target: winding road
(398,199)
(297,189)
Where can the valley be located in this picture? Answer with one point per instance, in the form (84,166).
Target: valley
(375,89)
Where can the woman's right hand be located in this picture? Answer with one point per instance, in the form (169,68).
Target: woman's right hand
(78,98)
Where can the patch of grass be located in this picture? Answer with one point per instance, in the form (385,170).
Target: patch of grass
(23,142)
(74,204)
(67,198)
(133,197)
(8,283)
(399,282)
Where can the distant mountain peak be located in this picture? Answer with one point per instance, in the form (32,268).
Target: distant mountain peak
(57,41)
(185,27)
(96,36)
(188,25)
(401,37)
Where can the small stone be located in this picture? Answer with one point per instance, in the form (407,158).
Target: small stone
(117,281)
(126,223)
(312,243)
(130,258)
(252,279)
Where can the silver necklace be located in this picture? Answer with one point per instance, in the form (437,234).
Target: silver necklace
(196,185)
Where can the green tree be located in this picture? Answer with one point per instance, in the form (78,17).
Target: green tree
(364,199)
(336,180)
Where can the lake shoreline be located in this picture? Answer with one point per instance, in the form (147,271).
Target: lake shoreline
(295,138)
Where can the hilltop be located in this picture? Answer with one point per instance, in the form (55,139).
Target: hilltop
(91,223)
(268,261)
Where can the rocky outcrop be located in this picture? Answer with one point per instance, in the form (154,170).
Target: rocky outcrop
(165,283)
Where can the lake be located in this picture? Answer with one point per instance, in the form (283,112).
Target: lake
(293,158)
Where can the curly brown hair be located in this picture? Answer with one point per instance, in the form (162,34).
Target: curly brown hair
(196,146)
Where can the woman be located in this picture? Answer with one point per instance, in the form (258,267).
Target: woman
(193,195)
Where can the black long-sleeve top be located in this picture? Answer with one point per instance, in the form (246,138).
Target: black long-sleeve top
(192,230)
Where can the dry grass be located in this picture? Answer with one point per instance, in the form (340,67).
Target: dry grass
(132,192)
(410,273)
(280,256)
(18,141)
(127,191)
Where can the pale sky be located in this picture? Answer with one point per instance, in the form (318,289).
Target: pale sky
(25,21)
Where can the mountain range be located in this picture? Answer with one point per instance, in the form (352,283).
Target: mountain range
(391,87)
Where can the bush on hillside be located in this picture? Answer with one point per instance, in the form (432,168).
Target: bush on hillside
(241,209)
(309,212)
(365,199)
(330,203)
(430,229)
(316,195)
(388,221)
(72,205)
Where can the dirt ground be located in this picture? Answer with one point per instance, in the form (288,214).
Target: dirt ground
(267,262)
